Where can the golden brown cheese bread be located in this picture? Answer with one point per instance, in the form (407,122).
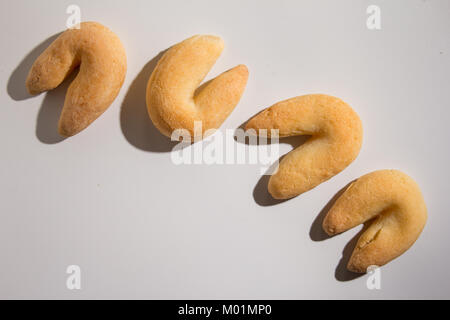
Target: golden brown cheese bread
(103,65)
(336,140)
(395,203)
(174,100)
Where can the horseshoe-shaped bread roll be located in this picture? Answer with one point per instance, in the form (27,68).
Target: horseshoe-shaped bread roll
(103,65)
(336,140)
(174,100)
(396,204)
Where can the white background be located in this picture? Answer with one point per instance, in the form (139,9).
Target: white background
(111,201)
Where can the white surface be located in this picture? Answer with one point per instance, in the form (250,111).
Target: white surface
(111,201)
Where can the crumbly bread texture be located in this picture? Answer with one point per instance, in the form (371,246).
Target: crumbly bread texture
(394,205)
(103,64)
(337,136)
(174,98)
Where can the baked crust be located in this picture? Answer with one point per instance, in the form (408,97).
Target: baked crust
(103,65)
(174,99)
(336,140)
(395,203)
